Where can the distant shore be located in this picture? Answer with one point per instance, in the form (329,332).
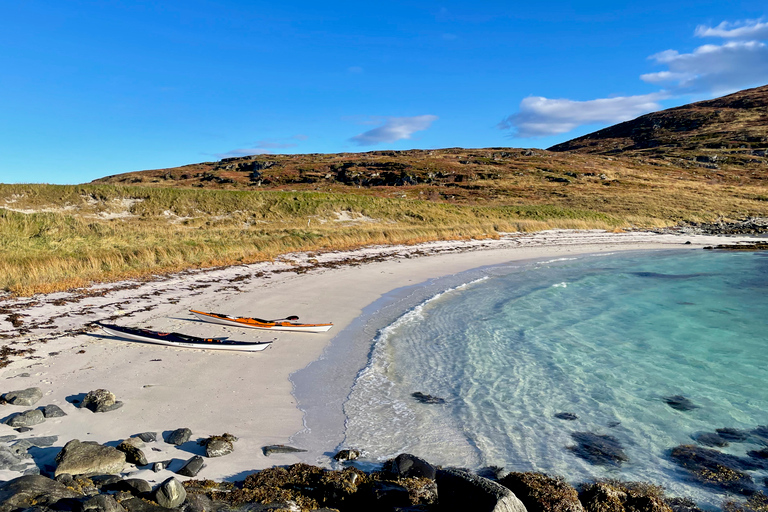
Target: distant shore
(213,392)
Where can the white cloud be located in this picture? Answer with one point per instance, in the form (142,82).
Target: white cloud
(539,116)
(714,69)
(394,129)
(748,29)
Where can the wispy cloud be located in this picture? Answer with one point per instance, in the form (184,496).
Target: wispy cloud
(394,129)
(539,116)
(747,29)
(264,146)
(741,61)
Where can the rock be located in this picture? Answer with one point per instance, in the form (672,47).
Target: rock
(543,493)
(733,435)
(147,437)
(192,467)
(160,465)
(140,505)
(598,449)
(53,411)
(12,457)
(89,458)
(101,503)
(170,493)
(679,403)
(279,448)
(682,505)
(427,399)
(179,436)
(406,465)
(345,455)
(26,419)
(387,495)
(602,497)
(218,446)
(133,455)
(40,442)
(613,495)
(33,490)
(710,439)
(135,486)
(100,400)
(494,473)
(568,416)
(465,491)
(29,396)
(715,469)
(758,454)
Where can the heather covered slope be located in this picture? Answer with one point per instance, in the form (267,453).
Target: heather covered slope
(728,134)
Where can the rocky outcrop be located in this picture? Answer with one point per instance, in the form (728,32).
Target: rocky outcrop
(466,491)
(33,491)
(543,493)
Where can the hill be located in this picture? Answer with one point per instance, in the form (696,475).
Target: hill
(725,133)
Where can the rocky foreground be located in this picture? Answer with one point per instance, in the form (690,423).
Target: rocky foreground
(88,476)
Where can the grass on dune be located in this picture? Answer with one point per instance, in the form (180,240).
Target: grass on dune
(70,236)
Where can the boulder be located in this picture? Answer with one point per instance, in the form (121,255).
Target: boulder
(53,411)
(33,490)
(29,396)
(192,467)
(101,503)
(100,400)
(465,491)
(170,494)
(387,495)
(14,458)
(179,436)
(279,448)
(40,442)
(406,465)
(147,437)
(543,493)
(134,486)
(218,446)
(345,455)
(133,455)
(89,458)
(26,419)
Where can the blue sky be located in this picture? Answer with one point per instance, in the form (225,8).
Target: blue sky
(93,88)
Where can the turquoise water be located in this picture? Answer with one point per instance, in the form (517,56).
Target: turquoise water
(605,338)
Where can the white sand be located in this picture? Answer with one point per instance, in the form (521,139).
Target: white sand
(213,392)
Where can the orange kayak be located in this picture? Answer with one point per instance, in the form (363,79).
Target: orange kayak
(283,324)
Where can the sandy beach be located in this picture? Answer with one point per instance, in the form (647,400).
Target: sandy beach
(248,395)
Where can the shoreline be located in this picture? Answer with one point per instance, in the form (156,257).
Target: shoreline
(247,395)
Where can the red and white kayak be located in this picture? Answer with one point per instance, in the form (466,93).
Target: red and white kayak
(174,339)
(283,324)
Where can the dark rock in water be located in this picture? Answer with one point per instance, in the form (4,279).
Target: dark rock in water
(179,436)
(406,465)
(494,473)
(758,454)
(543,493)
(53,411)
(133,454)
(280,448)
(345,455)
(465,491)
(715,469)
(710,439)
(29,396)
(170,494)
(427,399)
(613,424)
(568,416)
(732,434)
(598,449)
(761,433)
(679,403)
(26,419)
(147,437)
(192,467)
(33,491)
(218,446)
(100,400)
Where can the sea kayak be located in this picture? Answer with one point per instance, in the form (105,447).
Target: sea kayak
(174,339)
(283,324)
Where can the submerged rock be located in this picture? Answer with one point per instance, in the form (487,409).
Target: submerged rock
(427,399)
(733,434)
(715,469)
(680,403)
(568,416)
(598,449)
(710,439)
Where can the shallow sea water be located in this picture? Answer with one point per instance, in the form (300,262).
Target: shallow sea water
(604,337)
